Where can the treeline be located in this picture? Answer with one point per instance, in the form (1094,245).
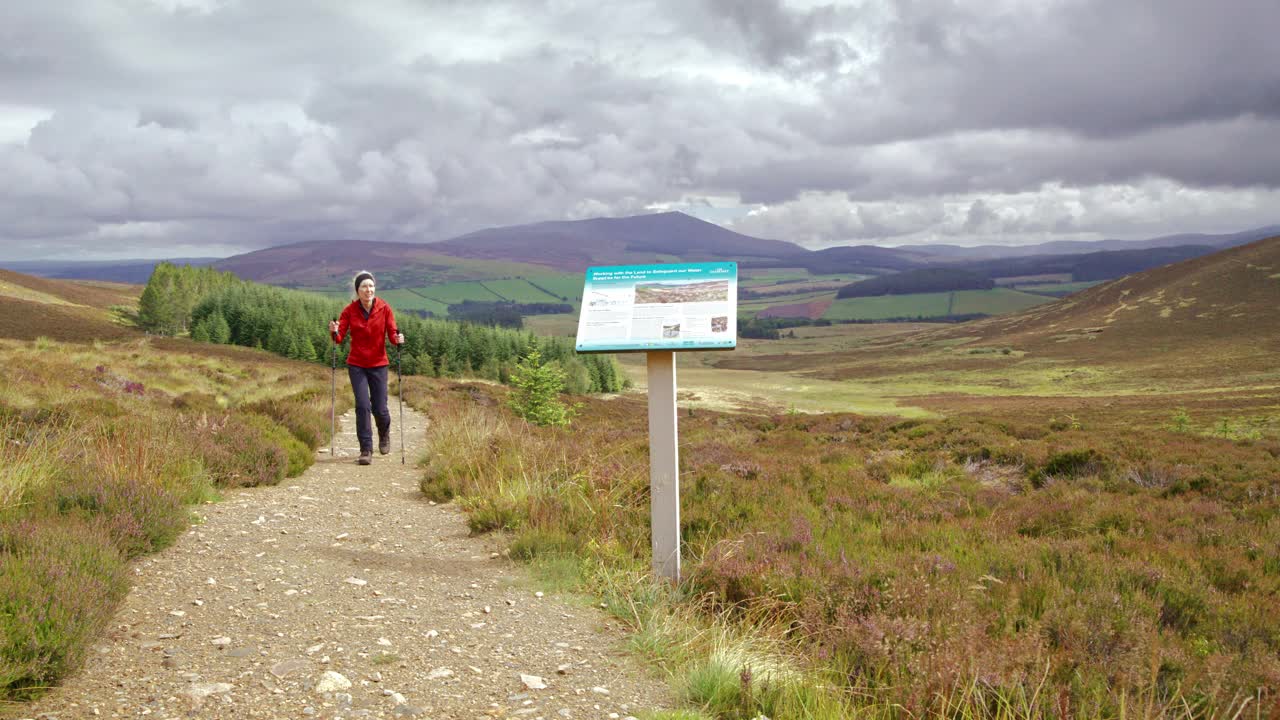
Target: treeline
(771,328)
(220,308)
(1104,265)
(502,313)
(928,280)
(172,293)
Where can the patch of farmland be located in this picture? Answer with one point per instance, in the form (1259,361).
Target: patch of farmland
(402,300)
(885,307)
(1058,289)
(519,290)
(561,285)
(456,292)
(997,301)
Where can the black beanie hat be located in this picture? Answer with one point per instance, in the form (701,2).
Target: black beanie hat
(361,278)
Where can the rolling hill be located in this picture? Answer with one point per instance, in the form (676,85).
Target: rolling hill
(62,309)
(641,239)
(539,248)
(1192,329)
(1072,247)
(1198,310)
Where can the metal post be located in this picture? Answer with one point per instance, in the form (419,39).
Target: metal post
(664,465)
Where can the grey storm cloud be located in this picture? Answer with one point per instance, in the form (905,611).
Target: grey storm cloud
(141,127)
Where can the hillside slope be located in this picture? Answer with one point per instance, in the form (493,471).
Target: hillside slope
(1228,301)
(640,239)
(62,309)
(1207,327)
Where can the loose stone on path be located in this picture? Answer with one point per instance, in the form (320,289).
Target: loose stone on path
(343,593)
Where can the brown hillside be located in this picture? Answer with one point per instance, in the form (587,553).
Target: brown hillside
(94,294)
(332,263)
(65,310)
(1228,300)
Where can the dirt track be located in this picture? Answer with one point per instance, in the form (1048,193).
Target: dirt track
(348,570)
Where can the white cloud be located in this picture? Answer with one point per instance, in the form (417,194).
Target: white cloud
(231,124)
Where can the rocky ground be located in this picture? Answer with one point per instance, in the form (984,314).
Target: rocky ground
(344,594)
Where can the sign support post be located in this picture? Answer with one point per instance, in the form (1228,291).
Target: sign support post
(664,466)
(660,310)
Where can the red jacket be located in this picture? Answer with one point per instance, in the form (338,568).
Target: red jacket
(367,333)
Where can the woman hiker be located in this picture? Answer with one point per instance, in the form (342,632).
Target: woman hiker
(369,321)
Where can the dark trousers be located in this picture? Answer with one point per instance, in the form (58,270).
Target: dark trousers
(370,388)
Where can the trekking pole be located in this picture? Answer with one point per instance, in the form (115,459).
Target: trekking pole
(400,393)
(333,394)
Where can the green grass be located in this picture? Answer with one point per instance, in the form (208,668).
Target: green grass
(754,305)
(558,325)
(771,275)
(996,301)
(567,285)
(456,292)
(410,300)
(1057,289)
(519,291)
(890,306)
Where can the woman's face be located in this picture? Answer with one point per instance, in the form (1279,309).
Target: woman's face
(366,291)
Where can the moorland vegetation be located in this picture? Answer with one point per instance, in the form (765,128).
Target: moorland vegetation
(1085,525)
(104,446)
(1081,524)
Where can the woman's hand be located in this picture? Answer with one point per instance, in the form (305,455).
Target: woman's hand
(399,338)
(333,326)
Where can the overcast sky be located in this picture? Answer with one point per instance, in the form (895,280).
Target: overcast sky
(162,128)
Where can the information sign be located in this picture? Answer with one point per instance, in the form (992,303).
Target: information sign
(640,308)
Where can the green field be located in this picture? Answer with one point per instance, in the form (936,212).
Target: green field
(563,285)
(964,302)
(997,301)
(456,292)
(786,282)
(559,325)
(519,290)
(755,305)
(890,306)
(1057,289)
(410,300)
(771,275)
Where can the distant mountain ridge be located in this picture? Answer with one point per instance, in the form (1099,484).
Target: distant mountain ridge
(579,243)
(135,272)
(1073,247)
(573,245)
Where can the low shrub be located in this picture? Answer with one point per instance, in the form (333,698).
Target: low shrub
(140,515)
(299,454)
(915,564)
(60,582)
(237,453)
(306,423)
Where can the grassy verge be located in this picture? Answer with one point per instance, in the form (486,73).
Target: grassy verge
(102,448)
(850,566)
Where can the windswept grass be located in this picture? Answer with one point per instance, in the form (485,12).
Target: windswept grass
(102,448)
(1015,566)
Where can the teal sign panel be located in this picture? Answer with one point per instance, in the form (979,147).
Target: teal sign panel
(636,308)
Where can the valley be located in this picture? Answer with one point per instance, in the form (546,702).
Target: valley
(956,514)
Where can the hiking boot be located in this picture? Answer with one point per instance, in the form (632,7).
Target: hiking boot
(366,457)
(384,443)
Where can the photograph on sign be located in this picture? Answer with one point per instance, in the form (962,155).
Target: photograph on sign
(692,306)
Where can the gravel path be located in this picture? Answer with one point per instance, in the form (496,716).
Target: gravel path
(344,594)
